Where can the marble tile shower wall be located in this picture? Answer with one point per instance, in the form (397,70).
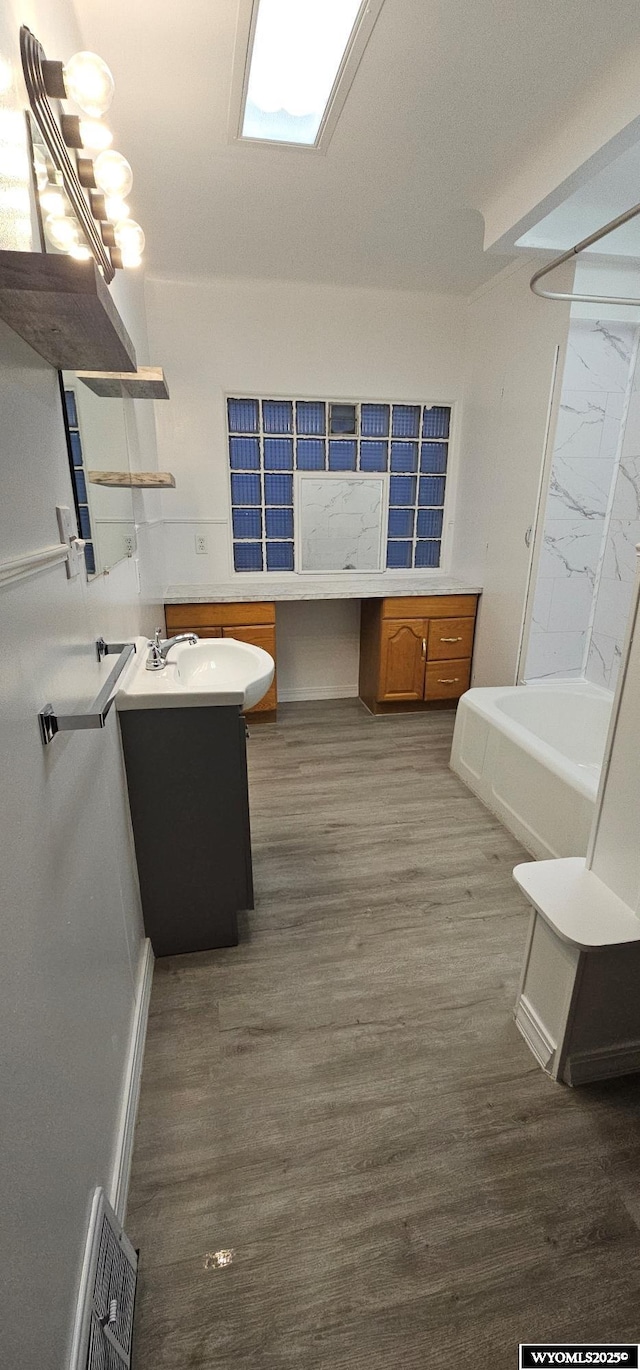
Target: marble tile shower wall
(594,393)
(618,567)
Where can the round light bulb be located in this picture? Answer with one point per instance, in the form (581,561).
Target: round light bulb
(112,173)
(81,252)
(129,237)
(54,202)
(130,258)
(89,82)
(41,168)
(62,233)
(95,135)
(116,208)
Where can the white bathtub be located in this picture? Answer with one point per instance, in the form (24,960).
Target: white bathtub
(533,754)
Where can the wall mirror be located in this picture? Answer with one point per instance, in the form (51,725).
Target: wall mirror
(96,431)
(340,522)
(96,427)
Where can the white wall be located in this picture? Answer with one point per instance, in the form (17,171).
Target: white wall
(318,649)
(217,337)
(511,344)
(71,930)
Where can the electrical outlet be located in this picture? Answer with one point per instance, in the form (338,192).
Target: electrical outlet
(129,545)
(202,544)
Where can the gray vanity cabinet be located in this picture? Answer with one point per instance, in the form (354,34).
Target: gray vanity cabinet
(188,792)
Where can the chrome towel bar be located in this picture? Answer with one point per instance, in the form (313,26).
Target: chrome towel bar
(51,723)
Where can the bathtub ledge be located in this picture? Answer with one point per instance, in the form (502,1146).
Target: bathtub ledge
(576,904)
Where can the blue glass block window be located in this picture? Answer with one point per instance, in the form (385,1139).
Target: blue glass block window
(89,558)
(342,455)
(431,490)
(429,523)
(278,454)
(310,454)
(279,556)
(245,490)
(399,555)
(278,489)
(435,421)
(85,522)
(433,457)
(270,439)
(243,416)
(402,490)
(247,556)
(247,523)
(343,418)
(81,485)
(310,416)
(244,454)
(374,420)
(406,421)
(404,456)
(373,456)
(277,416)
(76,448)
(70,406)
(401,523)
(427,554)
(279,523)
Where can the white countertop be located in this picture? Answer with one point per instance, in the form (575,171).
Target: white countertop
(316,587)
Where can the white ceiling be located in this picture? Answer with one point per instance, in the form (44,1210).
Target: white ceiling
(449,97)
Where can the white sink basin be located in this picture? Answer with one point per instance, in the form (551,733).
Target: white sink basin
(214,671)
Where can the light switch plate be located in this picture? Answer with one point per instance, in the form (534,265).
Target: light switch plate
(69,534)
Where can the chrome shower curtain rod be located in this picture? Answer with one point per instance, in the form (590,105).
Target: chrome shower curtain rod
(573,252)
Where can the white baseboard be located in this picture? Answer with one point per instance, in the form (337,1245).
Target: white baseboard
(119,1186)
(302,692)
(603,1063)
(535,1033)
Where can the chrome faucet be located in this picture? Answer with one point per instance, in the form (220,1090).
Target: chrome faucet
(160,647)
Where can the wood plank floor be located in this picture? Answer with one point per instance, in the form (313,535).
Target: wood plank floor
(344,1100)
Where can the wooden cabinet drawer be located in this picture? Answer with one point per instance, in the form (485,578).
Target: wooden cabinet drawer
(430,606)
(196,616)
(450,638)
(447,679)
(259,635)
(196,628)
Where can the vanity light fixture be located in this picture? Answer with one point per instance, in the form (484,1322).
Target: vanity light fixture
(54,201)
(83,187)
(89,82)
(302,57)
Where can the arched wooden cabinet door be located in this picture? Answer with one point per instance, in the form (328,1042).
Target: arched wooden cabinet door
(403,654)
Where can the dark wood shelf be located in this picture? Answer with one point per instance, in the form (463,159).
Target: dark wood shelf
(63,309)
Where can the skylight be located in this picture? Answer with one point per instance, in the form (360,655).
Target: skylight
(298,50)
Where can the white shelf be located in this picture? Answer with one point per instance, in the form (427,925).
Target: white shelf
(574,902)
